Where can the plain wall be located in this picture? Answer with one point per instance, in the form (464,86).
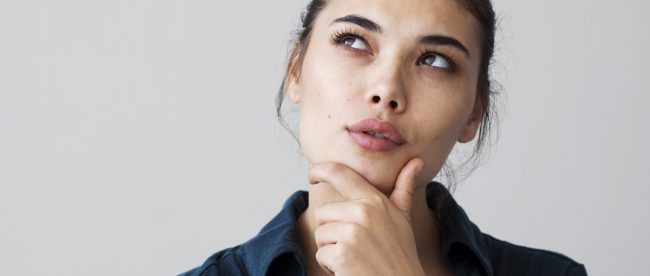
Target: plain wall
(138,137)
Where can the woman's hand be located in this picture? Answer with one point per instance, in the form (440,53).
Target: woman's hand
(369,233)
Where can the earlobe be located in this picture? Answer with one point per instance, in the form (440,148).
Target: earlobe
(471,127)
(293,73)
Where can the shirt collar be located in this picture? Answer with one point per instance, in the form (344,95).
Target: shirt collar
(462,241)
(277,238)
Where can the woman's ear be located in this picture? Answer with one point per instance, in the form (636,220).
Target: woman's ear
(293,74)
(471,126)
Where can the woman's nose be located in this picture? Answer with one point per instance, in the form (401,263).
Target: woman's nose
(387,91)
(391,103)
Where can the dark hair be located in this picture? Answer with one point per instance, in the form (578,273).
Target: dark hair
(483,12)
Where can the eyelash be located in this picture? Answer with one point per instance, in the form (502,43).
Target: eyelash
(426,52)
(338,36)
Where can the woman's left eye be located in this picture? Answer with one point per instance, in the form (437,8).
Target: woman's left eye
(435,60)
(354,42)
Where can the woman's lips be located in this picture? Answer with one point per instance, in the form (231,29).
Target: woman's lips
(375,135)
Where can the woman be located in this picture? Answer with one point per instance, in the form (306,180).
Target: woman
(385,90)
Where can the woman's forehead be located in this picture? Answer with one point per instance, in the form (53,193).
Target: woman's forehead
(411,18)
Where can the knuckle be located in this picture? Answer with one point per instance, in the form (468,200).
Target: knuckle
(318,233)
(353,233)
(320,255)
(376,200)
(341,251)
(362,212)
(330,168)
(319,212)
(343,255)
(349,233)
(333,257)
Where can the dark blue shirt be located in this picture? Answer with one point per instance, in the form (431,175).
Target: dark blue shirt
(465,250)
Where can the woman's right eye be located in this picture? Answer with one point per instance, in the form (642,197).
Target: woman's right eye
(354,42)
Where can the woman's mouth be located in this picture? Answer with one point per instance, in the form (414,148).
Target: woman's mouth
(375,135)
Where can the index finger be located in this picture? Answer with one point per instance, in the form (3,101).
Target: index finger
(344,179)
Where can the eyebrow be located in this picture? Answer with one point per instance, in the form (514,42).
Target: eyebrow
(445,40)
(427,39)
(361,21)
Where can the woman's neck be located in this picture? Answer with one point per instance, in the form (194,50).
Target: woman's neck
(425,229)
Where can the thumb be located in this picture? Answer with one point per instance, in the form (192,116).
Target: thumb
(402,195)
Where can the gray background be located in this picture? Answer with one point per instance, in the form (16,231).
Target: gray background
(138,137)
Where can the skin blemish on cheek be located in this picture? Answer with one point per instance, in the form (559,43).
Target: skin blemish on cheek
(329,116)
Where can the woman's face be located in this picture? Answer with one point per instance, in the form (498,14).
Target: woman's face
(410,63)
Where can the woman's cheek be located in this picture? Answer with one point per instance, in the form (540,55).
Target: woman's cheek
(320,124)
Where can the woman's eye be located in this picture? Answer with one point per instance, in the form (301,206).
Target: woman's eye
(435,60)
(354,42)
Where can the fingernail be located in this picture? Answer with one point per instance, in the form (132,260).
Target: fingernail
(418,170)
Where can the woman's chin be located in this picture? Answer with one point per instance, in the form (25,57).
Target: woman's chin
(381,174)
